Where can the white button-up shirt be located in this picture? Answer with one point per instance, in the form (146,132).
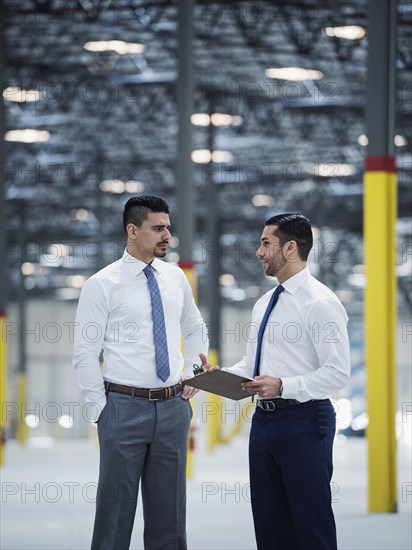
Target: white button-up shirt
(115,314)
(305,342)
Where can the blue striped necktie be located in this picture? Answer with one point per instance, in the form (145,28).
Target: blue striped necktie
(159,329)
(272,302)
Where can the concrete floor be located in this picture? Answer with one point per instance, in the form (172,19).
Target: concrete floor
(48,489)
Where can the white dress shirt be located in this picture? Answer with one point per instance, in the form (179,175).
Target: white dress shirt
(305,342)
(115,314)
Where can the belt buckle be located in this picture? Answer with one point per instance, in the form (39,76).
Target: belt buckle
(270,406)
(153,398)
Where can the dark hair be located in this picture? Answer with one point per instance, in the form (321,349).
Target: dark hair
(137,208)
(293,227)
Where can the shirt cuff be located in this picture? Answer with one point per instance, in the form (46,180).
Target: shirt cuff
(93,410)
(291,388)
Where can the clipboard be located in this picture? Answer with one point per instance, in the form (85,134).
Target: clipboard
(220,382)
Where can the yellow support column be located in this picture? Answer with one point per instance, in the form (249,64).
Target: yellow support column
(3,385)
(215,408)
(380,200)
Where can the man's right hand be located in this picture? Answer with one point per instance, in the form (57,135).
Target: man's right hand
(205,364)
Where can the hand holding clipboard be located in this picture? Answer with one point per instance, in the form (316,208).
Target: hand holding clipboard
(215,380)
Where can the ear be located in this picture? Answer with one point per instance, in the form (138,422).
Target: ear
(131,230)
(291,251)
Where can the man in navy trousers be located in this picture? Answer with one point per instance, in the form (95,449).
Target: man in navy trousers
(300,356)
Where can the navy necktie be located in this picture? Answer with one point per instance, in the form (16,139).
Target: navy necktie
(272,302)
(159,329)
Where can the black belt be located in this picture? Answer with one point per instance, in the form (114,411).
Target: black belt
(152,395)
(271,405)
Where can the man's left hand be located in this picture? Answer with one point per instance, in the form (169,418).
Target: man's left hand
(188,391)
(266,387)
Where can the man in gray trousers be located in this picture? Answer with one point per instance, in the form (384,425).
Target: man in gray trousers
(137,309)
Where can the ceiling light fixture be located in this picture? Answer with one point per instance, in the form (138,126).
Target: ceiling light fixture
(119,186)
(227,279)
(293,73)
(200,119)
(262,200)
(29,135)
(80,214)
(216,119)
(58,250)
(203,156)
(223,119)
(348,32)
(400,141)
(363,140)
(222,156)
(118,46)
(75,281)
(331,169)
(27,268)
(18,95)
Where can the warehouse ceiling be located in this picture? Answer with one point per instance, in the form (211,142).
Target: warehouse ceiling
(103,127)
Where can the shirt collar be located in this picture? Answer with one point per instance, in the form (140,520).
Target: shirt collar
(293,284)
(136,266)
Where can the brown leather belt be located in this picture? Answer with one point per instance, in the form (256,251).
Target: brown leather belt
(152,395)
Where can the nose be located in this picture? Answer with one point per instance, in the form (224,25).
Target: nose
(258,253)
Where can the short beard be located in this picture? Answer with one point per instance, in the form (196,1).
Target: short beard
(270,271)
(273,268)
